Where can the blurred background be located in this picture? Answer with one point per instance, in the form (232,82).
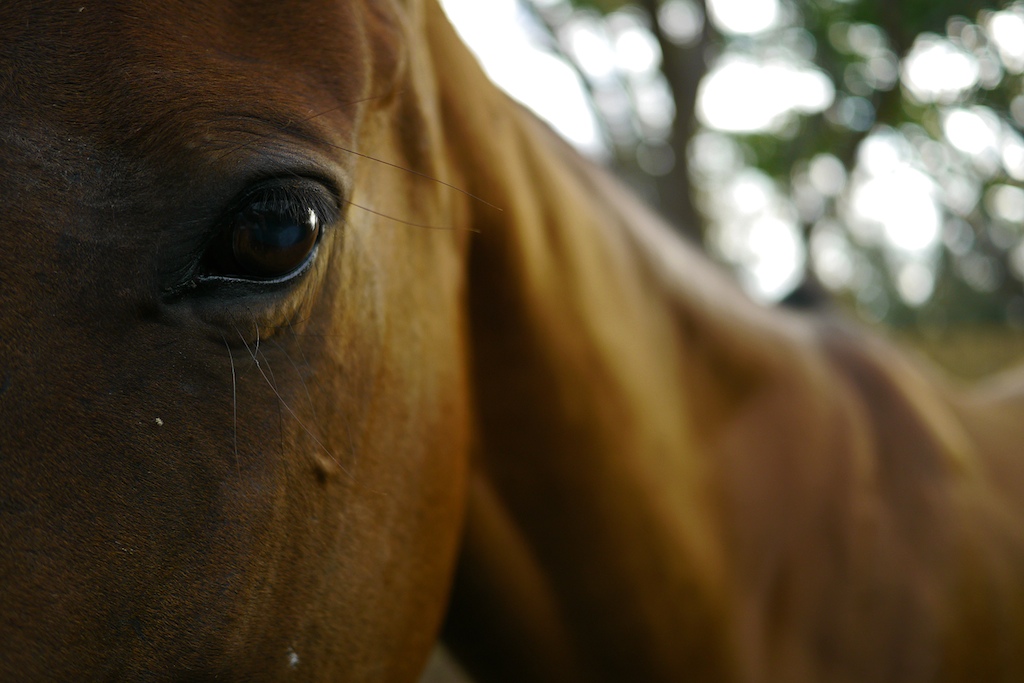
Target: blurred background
(860,153)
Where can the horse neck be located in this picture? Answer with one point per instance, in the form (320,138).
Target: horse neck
(571,264)
(650,444)
(598,372)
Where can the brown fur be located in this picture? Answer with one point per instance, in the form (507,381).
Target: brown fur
(552,420)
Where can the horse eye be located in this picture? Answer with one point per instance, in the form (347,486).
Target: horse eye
(267,242)
(271,233)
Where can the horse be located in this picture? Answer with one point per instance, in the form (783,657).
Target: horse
(323,351)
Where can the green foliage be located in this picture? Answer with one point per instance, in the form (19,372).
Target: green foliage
(603,6)
(974,269)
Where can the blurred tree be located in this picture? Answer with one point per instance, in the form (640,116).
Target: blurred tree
(872,147)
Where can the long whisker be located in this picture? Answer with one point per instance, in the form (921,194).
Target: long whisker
(256,350)
(272,381)
(290,124)
(298,373)
(234,406)
(306,119)
(312,405)
(418,173)
(291,412)
(409,223)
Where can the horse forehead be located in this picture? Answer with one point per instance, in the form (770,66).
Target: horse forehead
(118,62)
(84,33)
(108,103)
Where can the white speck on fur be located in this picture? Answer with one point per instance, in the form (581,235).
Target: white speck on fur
(293,659)
(159,422)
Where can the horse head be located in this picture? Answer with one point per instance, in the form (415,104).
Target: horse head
(234,410)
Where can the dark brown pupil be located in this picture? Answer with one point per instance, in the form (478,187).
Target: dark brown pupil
(269,242)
